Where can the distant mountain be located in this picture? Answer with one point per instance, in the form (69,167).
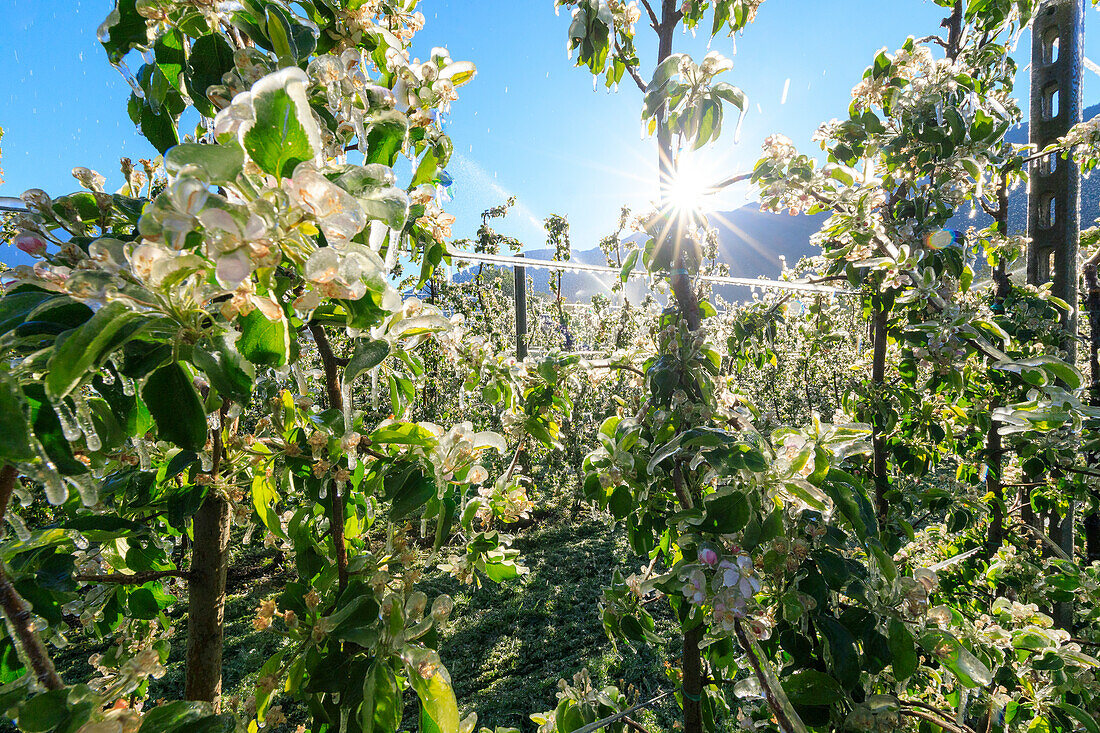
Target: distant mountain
(752,242)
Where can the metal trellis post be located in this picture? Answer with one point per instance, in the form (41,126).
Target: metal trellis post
(520,287)
(1054,192)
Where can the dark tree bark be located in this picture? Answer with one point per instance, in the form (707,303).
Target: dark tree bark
(336,402)
(206,591)
(32,651)
(878,439)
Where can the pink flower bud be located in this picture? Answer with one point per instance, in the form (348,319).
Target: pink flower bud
(31,243)
(708,556)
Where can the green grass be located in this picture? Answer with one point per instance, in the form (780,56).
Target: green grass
(506,645)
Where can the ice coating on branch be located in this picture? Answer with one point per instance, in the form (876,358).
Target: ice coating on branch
(145,462)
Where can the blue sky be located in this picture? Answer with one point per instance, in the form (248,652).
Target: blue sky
(529,125)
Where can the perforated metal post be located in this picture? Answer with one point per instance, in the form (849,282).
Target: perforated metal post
(1054,191)
(1054,201)
(520,286)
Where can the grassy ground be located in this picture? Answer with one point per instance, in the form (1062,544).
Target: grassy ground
(506,646)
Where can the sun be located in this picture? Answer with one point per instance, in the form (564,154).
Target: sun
(692,185)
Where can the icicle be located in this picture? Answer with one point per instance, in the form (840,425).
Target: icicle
(235,410)
(374,388)
(127,385)
(80,542)
(323,492)
(89,494)
(300,378)
(47,475)
(964,702)
(207,462)
(69,428)
(353,460)
(108,377)
(129,77)
(19,526)
(214,420)
(84,419)
(348,405)
(146,463)
(423,526)
(392,251)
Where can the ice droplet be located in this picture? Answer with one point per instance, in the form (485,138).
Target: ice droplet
(322,493)
(214,420)
(127,385)
(206,461)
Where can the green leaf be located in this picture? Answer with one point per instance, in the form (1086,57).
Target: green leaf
(142,604)
(903,649)
(43,712)
(112,326)
(842,655)
(176,407)
(385,138)
(263,342)
(811,687)
(366,355)
(628,265)
(125,29)
(211,57)
(182,717)
(433,686)
(1081,716)
(217,164)
(228,371)
(284,132)
(381,711)
(15,444)
(168,52)
(413,493)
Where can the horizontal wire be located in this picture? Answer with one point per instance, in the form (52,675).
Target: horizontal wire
(573,266)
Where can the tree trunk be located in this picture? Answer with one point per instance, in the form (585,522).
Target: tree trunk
(1092,309)
(206,601)
(878,440)
(693,681)
(32,652)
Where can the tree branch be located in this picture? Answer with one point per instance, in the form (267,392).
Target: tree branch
(336,401)
(33,651)
(132,579)
(630,68)
(773,702)
(653,21)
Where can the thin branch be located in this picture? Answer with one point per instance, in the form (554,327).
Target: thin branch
(15,608)
(652,15)
(773,702)
(604,722)
(630,68)
(336,401)
(631,723)
(932,39)
(132,579)
(623,367)
(937,720)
